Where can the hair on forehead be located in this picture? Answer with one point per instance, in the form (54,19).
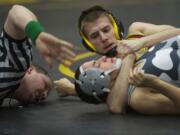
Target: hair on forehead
(91,15)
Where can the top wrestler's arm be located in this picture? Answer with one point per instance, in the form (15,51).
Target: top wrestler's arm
(117,98)
(147,29)
(153,34)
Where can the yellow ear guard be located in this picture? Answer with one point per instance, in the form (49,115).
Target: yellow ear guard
(116,31)
(88,43)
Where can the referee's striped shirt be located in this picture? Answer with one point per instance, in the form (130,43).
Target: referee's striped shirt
(15,58)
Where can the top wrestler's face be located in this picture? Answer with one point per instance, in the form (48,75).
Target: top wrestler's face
(101,34)
(37,87)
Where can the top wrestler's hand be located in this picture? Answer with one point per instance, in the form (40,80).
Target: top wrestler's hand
(53,48)
(126,47)
(138,78)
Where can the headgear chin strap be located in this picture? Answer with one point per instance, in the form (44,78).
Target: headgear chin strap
(95,82)
(112,53)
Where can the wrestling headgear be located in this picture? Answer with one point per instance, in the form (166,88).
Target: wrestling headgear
(93,84)
(117,25)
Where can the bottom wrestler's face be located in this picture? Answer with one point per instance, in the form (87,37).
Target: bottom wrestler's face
(104,63)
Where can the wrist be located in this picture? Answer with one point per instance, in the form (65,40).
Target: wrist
(33,29)
(153,81)
(143,41)
(131,57)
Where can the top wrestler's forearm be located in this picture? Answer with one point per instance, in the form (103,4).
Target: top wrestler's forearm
(147,29)
(154,39)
